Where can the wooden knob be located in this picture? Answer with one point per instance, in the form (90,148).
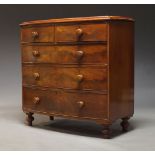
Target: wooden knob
(81,104)
(79,33)
(36,76)
(35,53)
(79,54)
(36,100)
(79,77)
(35,35)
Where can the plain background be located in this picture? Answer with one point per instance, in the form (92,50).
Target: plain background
(10,56)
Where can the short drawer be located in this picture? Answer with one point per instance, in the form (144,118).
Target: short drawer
(71,77)
(87,32)
(83,54)
(37,34)
(81,104)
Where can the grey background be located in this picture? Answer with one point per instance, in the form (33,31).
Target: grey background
(10,62)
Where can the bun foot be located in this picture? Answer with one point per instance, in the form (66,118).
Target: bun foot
(106,132)
(125,124)
(29,118)
(51,118)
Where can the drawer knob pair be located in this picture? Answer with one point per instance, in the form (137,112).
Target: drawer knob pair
(81,104)
(36,100)
(35,35)
(79,33)
(36,53)
(36,76)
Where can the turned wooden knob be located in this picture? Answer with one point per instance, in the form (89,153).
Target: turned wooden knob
(35,53)
(81,104)
(79,33)
(36,100)
(79,77)
(79,54)
(35,35)
(36,76)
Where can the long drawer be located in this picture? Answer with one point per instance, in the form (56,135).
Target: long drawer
(69,76)
(81,104)
(83,54)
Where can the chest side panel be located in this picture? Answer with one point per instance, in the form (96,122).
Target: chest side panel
(121,69)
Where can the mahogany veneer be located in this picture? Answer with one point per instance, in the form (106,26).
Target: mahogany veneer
(80,68)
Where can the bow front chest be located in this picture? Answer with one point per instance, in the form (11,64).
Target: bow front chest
(79,68)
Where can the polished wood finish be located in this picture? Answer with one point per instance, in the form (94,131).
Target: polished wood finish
(70,54)
(79,104)
(29,118)
(81,68)
(78,19)
(38,34)
(87,32)
(125,124)
(71,77)
(121,70)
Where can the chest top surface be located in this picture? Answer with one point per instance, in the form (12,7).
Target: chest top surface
(78,19)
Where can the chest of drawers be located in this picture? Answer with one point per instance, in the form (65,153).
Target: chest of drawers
(79,68)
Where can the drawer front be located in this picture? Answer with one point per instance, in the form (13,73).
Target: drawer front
(65,54)
(74,33)
(66,77)
(37,34)
(81,104)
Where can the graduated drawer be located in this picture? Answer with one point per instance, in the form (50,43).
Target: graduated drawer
(37,34)
(65,77)
(83,32)
(65,54)
(81,104)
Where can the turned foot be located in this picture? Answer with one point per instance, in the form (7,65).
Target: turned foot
(106,132)
(30,118)
(125,124)
(51,118)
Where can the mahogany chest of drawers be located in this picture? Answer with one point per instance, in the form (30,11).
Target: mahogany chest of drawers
(81,68)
